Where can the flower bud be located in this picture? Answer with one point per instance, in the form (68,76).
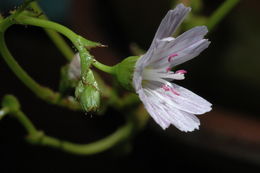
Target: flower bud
(87,93)
(74,69)
(124,72)
(70,75)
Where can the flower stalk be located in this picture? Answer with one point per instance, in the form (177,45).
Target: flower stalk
(39,138)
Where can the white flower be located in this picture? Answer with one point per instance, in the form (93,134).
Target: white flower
(167,102)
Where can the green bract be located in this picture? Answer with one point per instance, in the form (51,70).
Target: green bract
(124,72)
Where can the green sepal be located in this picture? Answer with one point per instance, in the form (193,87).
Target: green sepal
(124,72)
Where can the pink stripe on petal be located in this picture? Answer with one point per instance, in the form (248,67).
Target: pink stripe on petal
(166,88)
(174,92)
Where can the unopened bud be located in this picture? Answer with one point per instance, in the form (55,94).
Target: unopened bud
(87,93)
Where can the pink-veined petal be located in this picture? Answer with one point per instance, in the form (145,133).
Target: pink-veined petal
(185,47)
(170,22)
(166,28)
(164,112)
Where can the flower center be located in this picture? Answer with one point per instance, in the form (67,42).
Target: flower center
(155,76)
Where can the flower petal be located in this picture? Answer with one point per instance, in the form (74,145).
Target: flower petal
(153,110)
(188,95)
(181,98)
(185,47)
(171,22)
(166,28)
(188,101)
(165,113)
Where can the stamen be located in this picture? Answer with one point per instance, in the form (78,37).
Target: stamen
(181,71)
(171,56)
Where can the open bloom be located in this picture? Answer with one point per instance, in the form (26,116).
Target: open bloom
(165,101)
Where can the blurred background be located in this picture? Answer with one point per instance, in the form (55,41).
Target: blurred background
(227,74)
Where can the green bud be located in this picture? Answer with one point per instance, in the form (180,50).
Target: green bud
(87,92)
(124,72)
(11,102)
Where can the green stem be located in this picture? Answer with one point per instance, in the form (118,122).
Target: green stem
(39,138)
(102,67)
(27,124)
(73,37)
(26,20)
(220,13)
(42,92)
(79,42)
(123,133)
(16,68)
(54,36)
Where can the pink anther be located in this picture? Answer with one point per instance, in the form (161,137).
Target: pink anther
(181,71)
(168,69)
(172,56)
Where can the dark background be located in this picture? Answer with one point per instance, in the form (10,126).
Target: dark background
(226,74)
